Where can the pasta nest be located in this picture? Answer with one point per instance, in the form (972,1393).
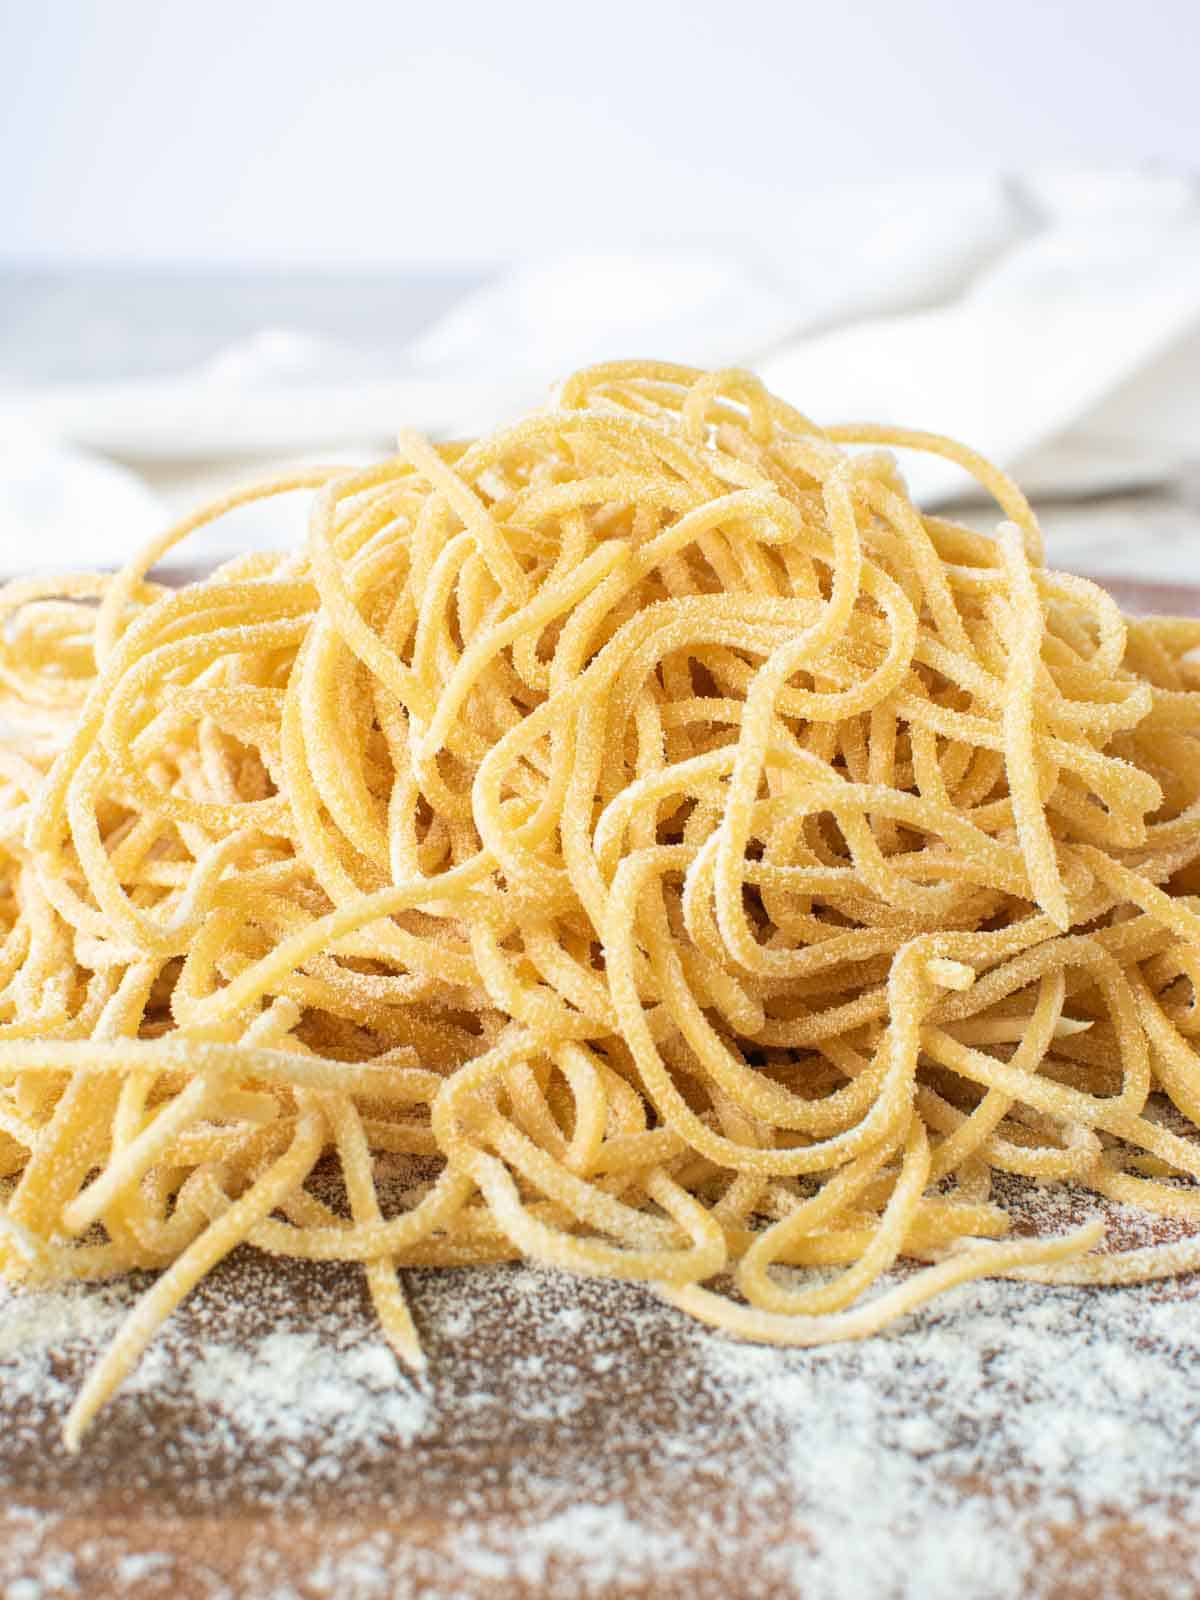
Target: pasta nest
(644,830)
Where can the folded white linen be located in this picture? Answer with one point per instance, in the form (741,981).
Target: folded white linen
(1052,321)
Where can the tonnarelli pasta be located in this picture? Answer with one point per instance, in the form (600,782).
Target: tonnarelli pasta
(704,861)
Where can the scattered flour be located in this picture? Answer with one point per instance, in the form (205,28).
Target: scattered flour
(1009,1442)
(303,1385)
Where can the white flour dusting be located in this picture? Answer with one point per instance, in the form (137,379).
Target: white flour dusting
(289,1386)
(1009,1442)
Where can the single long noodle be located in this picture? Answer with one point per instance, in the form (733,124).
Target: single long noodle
(645,814)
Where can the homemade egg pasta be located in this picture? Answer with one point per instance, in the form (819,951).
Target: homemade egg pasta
(687,856)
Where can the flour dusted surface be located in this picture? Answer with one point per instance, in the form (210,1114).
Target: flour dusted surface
(578,1438)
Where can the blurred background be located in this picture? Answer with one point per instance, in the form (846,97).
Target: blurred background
(239,234)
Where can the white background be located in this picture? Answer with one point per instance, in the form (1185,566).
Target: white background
(478,130)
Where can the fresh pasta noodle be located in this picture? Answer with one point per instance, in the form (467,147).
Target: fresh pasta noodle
(697,859)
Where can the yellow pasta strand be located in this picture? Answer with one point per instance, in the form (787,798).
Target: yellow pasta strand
(646,820)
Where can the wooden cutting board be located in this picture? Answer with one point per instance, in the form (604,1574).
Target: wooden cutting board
(1008,1443)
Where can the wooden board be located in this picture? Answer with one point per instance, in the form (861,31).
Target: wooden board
(1152,597)
(582,1439)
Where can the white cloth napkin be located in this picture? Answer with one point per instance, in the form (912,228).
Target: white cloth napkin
(1053,322)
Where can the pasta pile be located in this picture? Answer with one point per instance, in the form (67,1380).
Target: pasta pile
(696,858)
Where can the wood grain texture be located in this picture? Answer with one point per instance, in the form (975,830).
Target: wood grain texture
(543,1401)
